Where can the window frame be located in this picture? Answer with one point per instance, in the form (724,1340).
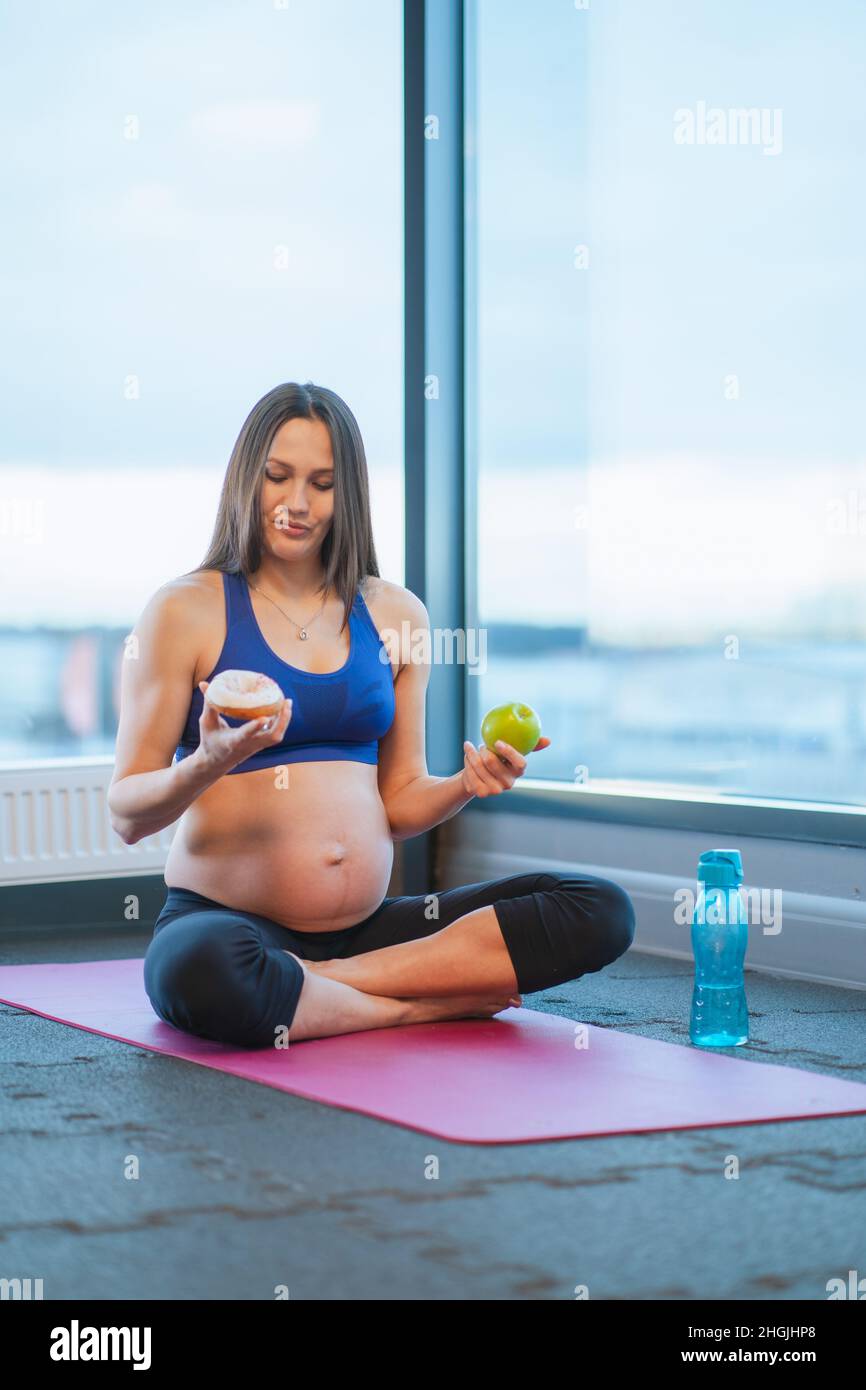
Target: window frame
(447,31)
(441,441)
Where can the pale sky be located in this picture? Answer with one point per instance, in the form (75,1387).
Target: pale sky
(205,210)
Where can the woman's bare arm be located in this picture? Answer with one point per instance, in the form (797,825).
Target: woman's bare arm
(144,802)
(148,791)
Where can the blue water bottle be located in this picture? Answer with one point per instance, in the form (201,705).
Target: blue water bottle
(720,935)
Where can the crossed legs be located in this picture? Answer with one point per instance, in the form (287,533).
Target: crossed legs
(534,931)
(226,975)
(467,956)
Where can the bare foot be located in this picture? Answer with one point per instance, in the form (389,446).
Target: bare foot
(435,1010)
(432,1009)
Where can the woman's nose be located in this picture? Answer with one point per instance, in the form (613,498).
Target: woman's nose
(295,500)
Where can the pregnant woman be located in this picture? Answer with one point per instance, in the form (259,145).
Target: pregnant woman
(276,925)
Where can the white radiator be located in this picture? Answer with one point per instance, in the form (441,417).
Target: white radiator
(55,825)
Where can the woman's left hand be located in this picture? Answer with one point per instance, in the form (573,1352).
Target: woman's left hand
(487,774)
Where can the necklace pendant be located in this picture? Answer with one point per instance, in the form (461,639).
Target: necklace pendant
(303,634)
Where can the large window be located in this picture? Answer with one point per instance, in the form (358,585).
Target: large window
(200,202)
(668,297)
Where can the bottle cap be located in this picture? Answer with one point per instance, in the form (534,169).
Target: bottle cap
(720,868)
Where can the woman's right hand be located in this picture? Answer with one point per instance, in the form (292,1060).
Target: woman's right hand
(222,747)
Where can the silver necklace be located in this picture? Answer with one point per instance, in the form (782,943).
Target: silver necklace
(302,631)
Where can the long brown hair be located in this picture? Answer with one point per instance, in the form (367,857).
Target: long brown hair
(348,552)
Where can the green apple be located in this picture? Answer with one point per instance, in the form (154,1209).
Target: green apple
(514,723)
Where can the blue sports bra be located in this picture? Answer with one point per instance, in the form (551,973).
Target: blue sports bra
(336,716)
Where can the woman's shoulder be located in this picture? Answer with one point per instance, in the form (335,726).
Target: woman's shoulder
(189,598)
(391,605)
(195,582)
(399,601)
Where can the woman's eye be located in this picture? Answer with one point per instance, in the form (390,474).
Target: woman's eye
(322,487)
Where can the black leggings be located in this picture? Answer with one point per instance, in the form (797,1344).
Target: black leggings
(224,974)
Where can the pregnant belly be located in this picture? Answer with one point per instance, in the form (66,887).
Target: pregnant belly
(315,854)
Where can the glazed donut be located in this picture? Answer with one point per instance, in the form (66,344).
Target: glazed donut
(244,695)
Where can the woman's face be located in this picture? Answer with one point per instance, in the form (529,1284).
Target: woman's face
(298,485)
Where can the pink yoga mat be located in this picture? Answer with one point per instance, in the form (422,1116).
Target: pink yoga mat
(511,1079)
